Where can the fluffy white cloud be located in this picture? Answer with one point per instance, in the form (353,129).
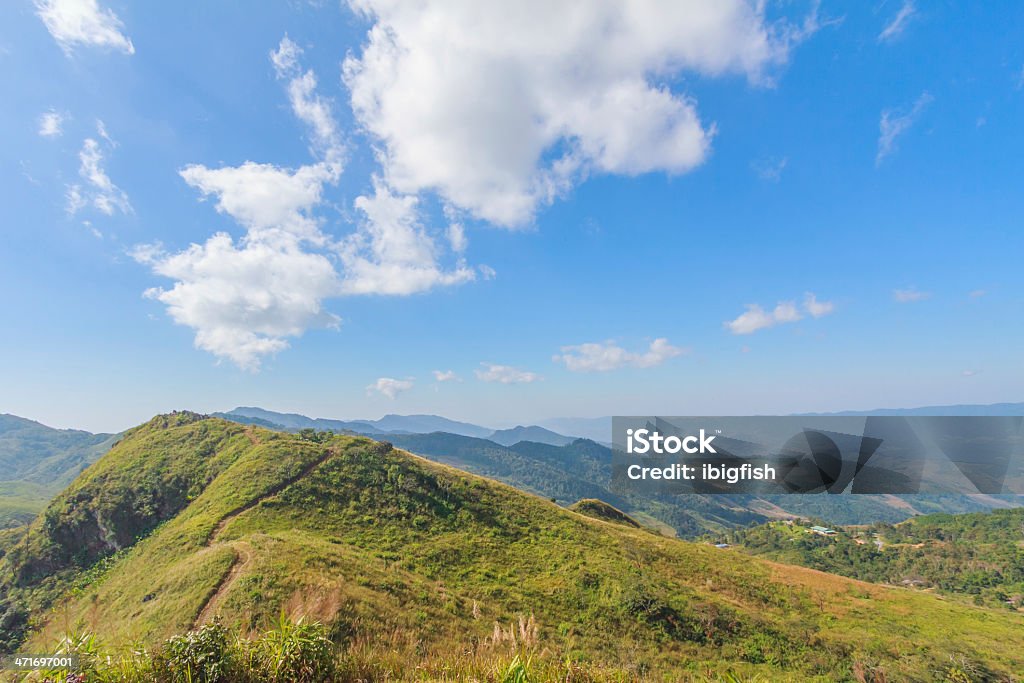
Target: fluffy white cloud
(83,22)
(505,374)
(516,102)
(893,124)
(757,318)
(602,357)
(909,295)
(265,198)
(100,192)
(51,124)
(244,300)
(389,387)
(391,252)
(445,376)
(898,24)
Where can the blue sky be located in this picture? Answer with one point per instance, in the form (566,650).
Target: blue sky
(508,215)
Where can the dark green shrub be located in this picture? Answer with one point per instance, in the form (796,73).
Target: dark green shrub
(202,656)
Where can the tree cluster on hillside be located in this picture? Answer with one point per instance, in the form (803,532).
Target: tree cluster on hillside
(980,555)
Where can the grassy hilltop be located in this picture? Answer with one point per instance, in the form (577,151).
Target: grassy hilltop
(420,571)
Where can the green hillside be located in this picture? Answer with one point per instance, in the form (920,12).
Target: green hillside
(581,469)
(37,461)
(420,571)
(979,556)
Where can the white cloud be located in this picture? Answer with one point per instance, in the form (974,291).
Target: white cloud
(816,308)
(516,102)
(602,357)
(83,22)
(390,387)
(457,238)
(505,374)
(265,198)
(100,191)
(391,252)
(51,124)
(770,170)
(970,373)
(757,318)
(909,295)
(92,229)
(895,28)
(74,200)
(977,293)
(244,300)
(893,124)
(446,376)
(101,130)
(307,105)
(753,319)
(286,58)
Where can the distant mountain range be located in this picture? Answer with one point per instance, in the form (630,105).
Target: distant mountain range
(389,424)
(966,409)
(30,451)
(566,469)
(37,461)
(555,431)
(510,437)
(396,424)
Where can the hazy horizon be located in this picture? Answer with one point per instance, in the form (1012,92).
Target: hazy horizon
(542,421)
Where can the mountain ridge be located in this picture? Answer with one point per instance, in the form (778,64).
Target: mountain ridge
(512,436)
(581,469)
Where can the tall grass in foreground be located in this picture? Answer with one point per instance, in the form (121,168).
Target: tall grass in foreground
(300,651)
